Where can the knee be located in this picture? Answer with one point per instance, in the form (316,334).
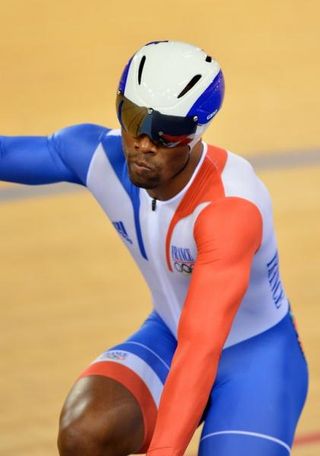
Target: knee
(75,438)
(93,433)
(70,439)
(84,435)
(99,417)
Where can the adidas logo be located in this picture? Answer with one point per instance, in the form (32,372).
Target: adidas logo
(119,226)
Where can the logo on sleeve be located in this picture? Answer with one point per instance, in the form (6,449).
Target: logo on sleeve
(116,355)
(275,281)
(119,226)
(182,258)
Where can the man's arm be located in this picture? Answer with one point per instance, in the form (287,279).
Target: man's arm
(64,156)
(227,233)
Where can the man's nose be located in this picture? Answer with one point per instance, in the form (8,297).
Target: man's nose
(144,144)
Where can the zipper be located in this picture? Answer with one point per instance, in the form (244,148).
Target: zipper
(153,204)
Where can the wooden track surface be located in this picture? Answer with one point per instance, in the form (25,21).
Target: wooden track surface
(68,287)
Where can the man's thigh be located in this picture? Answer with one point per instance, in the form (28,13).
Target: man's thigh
(258,396)
(126,381)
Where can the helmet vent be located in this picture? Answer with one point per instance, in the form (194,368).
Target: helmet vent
(143,60)
(208,59)
(190,84)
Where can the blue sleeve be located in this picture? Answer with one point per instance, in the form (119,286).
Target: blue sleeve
(64,156)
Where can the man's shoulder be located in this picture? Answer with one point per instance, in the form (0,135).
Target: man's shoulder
(223,156)
(76,145)
(81,134)
(238,177)
(85,138)
(238,172)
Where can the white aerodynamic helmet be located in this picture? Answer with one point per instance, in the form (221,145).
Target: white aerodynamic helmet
(170,91)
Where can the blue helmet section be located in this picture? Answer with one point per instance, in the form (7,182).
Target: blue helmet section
(209,103)
(124,77)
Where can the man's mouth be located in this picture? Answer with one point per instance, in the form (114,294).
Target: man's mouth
(141,165)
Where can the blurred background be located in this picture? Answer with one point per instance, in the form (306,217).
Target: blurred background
(68,286)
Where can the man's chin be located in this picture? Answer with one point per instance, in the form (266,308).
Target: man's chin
(142,182)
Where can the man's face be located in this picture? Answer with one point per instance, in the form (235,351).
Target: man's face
(151,166)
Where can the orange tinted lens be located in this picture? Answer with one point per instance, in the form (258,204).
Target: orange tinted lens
(131,115)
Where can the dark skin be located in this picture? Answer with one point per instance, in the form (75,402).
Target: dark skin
(100,417)
(162,171)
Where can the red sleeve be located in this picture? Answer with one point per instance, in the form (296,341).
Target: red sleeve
(227,233)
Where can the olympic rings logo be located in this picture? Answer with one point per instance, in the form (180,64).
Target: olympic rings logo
(183,267)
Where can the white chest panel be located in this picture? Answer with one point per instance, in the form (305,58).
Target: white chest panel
(167,266)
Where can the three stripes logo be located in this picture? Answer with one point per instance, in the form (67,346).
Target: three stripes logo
(119,226)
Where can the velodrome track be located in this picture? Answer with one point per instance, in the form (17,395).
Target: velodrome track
(68,287)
